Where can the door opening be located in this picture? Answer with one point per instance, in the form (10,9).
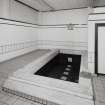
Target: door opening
(100,48)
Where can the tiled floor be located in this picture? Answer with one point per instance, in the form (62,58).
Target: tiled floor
(10,99)
(99,90)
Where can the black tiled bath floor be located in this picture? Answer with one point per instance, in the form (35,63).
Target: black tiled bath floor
(61,72)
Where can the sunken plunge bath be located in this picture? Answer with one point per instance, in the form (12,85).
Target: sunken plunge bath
(48,76)
(62,66)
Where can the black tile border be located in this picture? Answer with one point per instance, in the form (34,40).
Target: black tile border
(40,25)
(17,21)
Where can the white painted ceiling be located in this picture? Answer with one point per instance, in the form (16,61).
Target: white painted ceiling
(48,5)
(67,4)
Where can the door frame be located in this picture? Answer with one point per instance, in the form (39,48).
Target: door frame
(97,25)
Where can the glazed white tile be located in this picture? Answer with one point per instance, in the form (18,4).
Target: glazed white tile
(83,89)
(72,100)
(53,95)
(91,67)
(25,81)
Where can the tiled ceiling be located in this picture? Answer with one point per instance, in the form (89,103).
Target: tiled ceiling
(48,5)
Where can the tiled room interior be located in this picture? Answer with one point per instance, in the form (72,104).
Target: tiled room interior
(11,99)
(52,52)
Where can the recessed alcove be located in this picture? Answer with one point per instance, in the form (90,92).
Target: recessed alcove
(95,21)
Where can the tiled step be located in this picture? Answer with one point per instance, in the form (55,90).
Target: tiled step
(29,97)
(11,99)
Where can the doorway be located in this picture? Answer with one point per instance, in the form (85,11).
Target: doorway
(100,48)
